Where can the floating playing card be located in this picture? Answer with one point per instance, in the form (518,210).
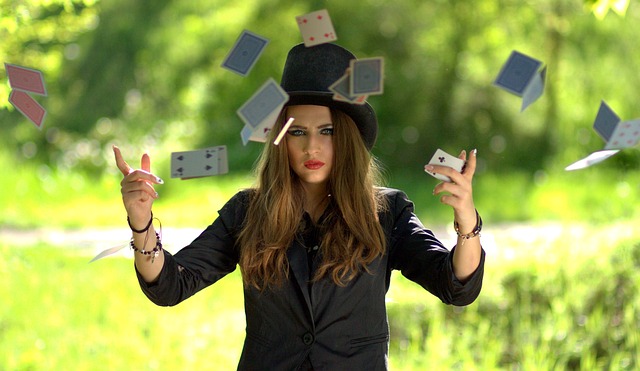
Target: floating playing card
(107,252)
(606,121)
(341,90)
(366,76)
(28,107)
(316,28)
(618,135)
(261,106)
(25,79)
(626,135)
(199,163)
(592,159)
(245,53)
(521,76)
(260,133)
(442,158)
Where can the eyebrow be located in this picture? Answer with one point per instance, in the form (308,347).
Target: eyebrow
(323,126)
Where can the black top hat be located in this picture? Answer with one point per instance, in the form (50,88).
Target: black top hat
(308,73)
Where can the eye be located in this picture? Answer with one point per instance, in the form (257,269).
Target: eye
(326,131)
(296,132)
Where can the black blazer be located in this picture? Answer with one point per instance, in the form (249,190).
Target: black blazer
(330,327)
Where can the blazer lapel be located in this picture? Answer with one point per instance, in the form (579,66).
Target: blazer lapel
(298,264)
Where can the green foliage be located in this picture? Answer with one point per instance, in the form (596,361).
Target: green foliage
(147,74)
(561,311)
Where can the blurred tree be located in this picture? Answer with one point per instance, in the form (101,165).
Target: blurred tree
(147,74)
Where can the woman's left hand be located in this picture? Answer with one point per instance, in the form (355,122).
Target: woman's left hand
(459,192)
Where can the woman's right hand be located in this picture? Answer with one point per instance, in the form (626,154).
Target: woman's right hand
(137,189)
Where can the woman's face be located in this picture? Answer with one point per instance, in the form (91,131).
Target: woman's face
(310,143)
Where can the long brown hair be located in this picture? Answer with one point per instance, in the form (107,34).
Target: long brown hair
(352,238)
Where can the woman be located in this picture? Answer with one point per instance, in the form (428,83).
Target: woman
(315,240)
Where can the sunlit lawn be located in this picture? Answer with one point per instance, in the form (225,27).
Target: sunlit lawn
(551,302)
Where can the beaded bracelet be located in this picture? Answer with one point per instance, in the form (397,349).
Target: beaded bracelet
(475,232)
(141,230)
(155,252)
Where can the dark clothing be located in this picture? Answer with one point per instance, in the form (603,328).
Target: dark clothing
(319,325)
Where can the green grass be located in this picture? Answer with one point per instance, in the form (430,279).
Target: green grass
(570,303)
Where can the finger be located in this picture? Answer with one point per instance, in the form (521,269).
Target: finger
(138,189)
(470,166)
(145,162)
(141,176)
(463,155)
(124,168)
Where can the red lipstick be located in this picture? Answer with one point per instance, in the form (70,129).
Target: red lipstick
(313,164)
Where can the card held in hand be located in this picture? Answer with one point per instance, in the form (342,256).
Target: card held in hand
(442,158)
(316,28)
(245,53)
(268,99)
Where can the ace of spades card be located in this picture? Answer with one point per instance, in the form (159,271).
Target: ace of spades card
(199,163)
(316,28)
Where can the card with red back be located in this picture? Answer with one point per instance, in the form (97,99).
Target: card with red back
(25,79)
(28,107)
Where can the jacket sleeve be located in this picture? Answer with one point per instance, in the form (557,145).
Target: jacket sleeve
(211,256)
(421,257)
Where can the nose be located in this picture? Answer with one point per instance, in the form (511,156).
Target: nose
(312,144)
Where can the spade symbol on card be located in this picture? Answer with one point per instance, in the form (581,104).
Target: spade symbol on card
(199,163)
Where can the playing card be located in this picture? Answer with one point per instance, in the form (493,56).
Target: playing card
(261,106)
(198,163)
(28,107)
(25,79)
(223,160)
(362,99)
(592,159)
(245,52)
(316,28)
(366,76)
(625,135)
(259,134)
(606,121)
(534,90)
(107,252)
(444,159)
(517,72)
(341,89)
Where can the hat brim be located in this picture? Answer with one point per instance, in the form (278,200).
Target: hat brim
(362,114)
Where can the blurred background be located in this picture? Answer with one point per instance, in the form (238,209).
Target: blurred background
(563,250)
